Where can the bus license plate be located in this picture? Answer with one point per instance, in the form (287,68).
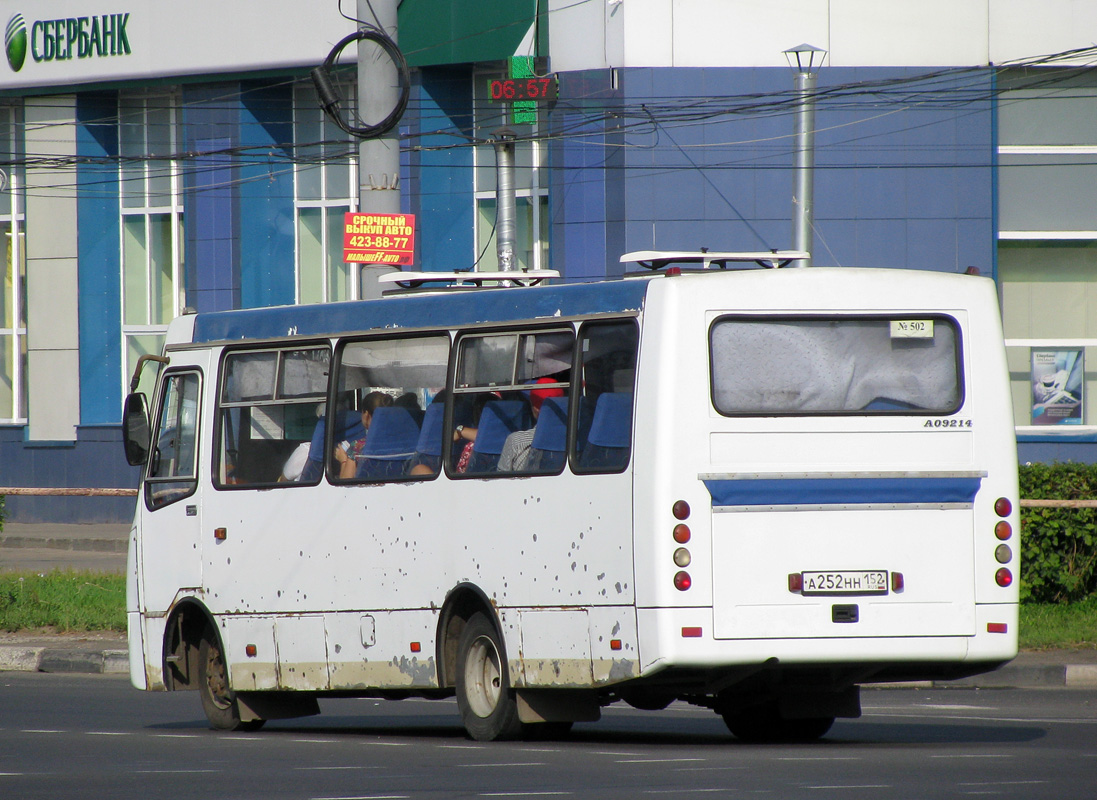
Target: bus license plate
(846,582)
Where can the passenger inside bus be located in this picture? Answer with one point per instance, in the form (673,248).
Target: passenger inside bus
(515,455)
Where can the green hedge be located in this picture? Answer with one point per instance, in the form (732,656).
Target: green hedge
(1058,552)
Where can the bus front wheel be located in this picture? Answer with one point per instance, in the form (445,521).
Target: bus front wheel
(487,703)
(218,699)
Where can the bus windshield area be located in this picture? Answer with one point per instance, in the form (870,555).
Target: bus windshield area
(840,365)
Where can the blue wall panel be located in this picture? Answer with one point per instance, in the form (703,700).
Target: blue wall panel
(445,212)
(96,460)
(99,259)
(211,126)
(266,195)
(903,173)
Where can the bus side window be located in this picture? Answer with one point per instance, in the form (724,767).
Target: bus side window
(607,373)
(271,407)
(172,463)
(517,385)
(394,391)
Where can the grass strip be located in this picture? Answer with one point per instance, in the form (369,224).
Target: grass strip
(90,601)
(1050,626)
(63,601)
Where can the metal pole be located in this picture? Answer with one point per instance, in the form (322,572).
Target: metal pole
(505,227)
(378,159)
(803,190)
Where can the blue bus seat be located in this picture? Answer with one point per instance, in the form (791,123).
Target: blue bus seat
(610,438)
(550,436)
(393,435)
(428,449)
(499,419)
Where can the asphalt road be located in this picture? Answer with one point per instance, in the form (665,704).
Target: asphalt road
(68,736)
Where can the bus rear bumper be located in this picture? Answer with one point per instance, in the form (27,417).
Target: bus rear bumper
(682,639)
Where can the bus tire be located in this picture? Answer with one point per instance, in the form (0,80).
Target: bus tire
(488,706)
(218,699)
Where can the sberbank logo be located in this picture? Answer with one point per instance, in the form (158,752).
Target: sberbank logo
(15,42)
(65,39)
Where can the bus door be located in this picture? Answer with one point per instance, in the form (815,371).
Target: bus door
(170,509)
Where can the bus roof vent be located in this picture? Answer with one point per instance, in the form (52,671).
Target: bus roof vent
(768,259)
(451,281)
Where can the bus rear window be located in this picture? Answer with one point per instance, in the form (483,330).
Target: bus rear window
(838,365)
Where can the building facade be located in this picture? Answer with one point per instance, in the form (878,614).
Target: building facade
(155,161)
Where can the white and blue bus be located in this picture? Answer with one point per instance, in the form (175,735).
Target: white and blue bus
(747,489)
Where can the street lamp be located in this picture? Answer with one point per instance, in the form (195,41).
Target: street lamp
(805,60)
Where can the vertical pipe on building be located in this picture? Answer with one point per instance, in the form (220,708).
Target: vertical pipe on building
(378,159)
(805,60)
(803,190)
(505,226)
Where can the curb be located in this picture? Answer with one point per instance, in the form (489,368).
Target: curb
(17,658)
(64,543)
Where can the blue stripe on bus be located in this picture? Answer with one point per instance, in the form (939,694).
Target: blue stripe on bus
(840,491)
(413,311)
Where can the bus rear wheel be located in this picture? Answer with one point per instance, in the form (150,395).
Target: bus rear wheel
(765,724)
(487,703)
(218,699)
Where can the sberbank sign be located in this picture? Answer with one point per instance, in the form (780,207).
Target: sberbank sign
(65,39)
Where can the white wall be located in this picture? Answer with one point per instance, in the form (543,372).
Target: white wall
(753,33)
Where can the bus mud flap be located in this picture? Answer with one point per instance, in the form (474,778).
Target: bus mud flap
(558,705)
(276,705)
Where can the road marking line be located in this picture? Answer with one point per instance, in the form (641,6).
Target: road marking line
(852,786)
(515,764)
(658,760)
(338,768)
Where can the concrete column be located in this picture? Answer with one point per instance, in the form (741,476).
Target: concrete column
(53,338)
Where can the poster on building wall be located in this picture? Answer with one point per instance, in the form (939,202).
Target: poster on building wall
(379,238)
(1057,386)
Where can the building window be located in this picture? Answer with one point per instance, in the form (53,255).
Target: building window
(152,223)
(530,183)
(326,187)
(1047,242)
(13,319)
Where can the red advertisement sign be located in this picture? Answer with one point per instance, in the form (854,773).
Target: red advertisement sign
(379,238)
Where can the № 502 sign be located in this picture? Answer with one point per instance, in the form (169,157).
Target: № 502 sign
(379,238)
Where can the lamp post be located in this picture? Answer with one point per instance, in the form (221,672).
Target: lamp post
(805,60)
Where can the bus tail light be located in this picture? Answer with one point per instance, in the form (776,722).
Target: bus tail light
(1002,507)
(1003,530)
(1002,554)
(997,627)
(796,582)
(680,509)
(681,533)
(898,582)
(1003,577)
(692,633)
(682,557)
(682,581)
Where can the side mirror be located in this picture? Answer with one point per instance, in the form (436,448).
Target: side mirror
(135,428)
